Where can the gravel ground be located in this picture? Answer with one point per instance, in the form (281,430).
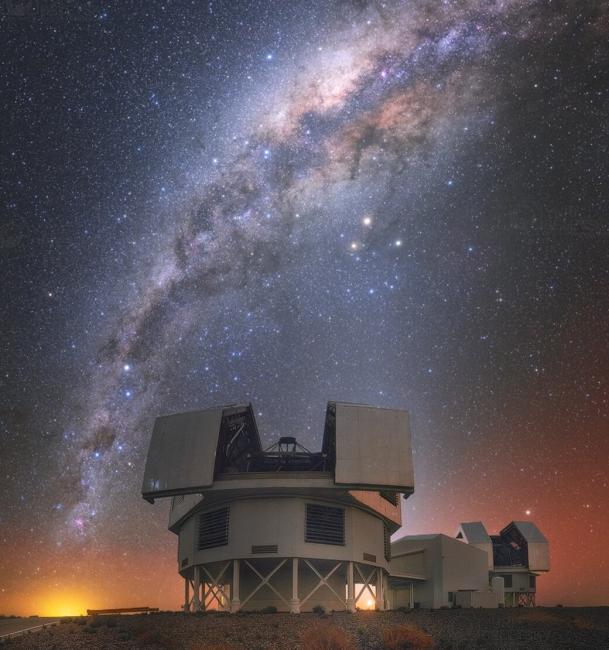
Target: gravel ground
(541,628)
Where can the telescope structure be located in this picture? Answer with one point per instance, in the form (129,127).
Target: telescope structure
(282,527)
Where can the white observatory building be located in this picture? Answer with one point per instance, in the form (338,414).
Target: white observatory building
(292,529)
(282,527)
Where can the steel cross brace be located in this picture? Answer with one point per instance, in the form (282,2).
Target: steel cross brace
(323,580)
(265,581)
(366,582)
(214,585)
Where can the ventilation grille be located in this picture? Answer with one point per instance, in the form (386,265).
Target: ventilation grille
(387,541)
(325,525)
(368,557)
(213,528)
(265,548)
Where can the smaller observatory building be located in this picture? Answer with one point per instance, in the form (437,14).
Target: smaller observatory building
(292,529)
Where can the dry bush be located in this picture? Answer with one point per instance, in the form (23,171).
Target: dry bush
(407,637)
(153,638)
(326,637)
(583,623)
(539,616)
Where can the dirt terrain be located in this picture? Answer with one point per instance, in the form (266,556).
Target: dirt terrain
(504,628)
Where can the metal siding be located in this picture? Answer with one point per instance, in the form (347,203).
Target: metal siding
(182,453)
(373,447)
(539,556)
(474,532)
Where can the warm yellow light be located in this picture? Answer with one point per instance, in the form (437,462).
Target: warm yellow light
(63,604)
(366,600)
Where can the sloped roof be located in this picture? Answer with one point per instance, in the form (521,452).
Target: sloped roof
(529,531)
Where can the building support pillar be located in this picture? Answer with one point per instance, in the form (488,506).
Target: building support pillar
(411,595)
(350,588)
(235,604)
(186,595)
(197,606)
(380,596)
(295,602)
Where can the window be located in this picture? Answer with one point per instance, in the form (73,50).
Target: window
(532,582)
(324,525)
(507,581)
(213,528)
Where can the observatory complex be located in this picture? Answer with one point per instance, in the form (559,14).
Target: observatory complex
(292,529)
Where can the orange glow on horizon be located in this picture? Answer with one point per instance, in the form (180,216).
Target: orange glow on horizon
(64,603)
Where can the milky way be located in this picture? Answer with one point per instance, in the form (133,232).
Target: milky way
(398,204)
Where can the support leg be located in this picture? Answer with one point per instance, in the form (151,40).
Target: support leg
(295,602)
(186,595)
(380,597)
(197,606)
(350,588)
(235,604)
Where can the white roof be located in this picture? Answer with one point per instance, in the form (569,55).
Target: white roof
(529,531)
(474,532)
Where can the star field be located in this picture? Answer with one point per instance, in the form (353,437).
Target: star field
(401,204)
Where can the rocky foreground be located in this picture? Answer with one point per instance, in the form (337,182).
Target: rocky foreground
(504,628)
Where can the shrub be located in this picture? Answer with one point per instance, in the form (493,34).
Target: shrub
(147,638)
(95,621)
(319,609)
(326,637)
(406,637)
(91,630)
(269,610)
(110,621)
(82,621)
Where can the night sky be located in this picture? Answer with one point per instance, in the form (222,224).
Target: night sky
(203,203)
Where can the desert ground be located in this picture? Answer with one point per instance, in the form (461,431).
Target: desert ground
(466,628)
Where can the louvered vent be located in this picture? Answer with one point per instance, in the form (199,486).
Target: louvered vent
(264,548)
(213,528)
(325,525)
(387,540)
